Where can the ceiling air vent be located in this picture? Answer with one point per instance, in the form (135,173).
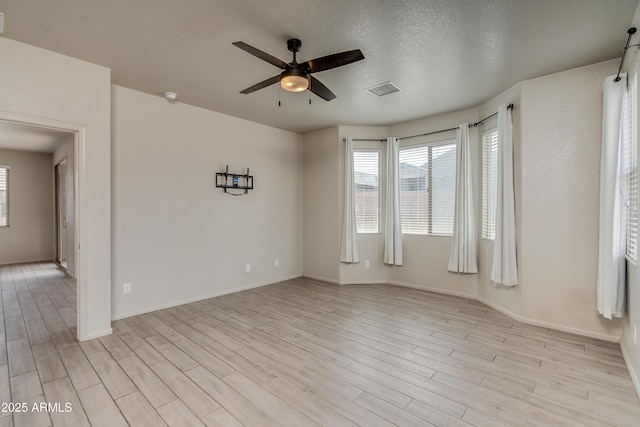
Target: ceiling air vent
(383,89)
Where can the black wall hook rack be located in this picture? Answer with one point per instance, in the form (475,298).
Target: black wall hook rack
(234,181)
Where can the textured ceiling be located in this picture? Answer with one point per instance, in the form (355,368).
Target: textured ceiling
(445,55)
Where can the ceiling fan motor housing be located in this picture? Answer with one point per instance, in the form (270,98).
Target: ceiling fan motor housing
(294,45)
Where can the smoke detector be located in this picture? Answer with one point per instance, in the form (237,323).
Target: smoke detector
(171,96)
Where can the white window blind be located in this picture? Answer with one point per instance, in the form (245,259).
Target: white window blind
(489,182)
(630,135)
(427,188)
(4,196)
(366,174)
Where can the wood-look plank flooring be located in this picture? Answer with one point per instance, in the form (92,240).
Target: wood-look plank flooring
(300,353)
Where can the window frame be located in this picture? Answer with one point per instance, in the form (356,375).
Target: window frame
(429,186)
(630,149)
(7,170)
(378,152)
(488,228)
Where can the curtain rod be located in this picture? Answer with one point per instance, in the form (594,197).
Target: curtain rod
(365,139)
(510,106)
(631,31)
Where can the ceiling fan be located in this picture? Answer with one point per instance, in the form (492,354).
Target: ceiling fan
(297,77)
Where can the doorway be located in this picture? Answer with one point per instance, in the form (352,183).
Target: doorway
(26,133)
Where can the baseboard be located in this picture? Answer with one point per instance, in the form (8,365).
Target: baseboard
(29,261)
(323,279)
(200,298)
(517,317)
(365,282)
(98,334)
(634,375)
(499,308)
(436,290)
(571,330)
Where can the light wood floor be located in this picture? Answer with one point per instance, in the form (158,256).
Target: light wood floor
(301,353)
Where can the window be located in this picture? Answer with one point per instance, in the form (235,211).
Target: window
(366,175)
(630,148)
(427,188)
(489,182)
(4,196)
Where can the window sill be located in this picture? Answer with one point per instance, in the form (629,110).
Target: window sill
(427,235)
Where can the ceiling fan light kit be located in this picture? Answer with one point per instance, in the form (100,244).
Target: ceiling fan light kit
(294,80)
(297,77)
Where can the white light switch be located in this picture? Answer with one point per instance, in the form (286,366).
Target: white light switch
(1,22)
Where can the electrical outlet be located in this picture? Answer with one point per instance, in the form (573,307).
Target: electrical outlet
(126,288)
(1,22)
(247,268)
(276,263)
(367,264)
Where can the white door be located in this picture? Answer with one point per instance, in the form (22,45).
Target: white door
(61,213)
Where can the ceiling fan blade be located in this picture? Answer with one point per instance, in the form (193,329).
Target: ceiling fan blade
(262,55)
(321,90)
(262,85)
(332,61)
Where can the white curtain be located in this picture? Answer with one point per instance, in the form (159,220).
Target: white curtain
(392,228)
(462,257)
(612,244)
(349,244)
(504,270)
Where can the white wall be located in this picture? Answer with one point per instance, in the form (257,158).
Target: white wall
(45,87)
(321,205)
(29,236)
(561,139)
(178,238)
